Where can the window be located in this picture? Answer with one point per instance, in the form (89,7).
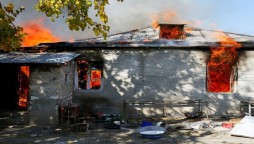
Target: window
(89,74)
(221,79)
(222,67)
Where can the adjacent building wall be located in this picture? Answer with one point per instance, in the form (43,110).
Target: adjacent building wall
(245,83)
(50,85)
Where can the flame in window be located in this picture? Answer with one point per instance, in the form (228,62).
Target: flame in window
(95,79)
(89,75)
(220,75)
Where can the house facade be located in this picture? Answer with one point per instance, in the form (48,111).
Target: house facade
(170,63)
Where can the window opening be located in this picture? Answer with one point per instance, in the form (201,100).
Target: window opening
(89,74)
(221,81)
(221,68)
(66,77)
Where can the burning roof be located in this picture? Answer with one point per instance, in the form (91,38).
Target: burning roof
(153,37)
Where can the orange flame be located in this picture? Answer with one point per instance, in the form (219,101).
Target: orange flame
(221,63)
(171,33)
(171,17)
(155,22)
(168,16)
(24,86)
(95,78)
(36,34)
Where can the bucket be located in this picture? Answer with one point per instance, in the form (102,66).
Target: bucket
(146,123)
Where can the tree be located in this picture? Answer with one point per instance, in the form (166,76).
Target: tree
(10,35)
(75,12)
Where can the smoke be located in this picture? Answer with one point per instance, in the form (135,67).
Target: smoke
(131,14)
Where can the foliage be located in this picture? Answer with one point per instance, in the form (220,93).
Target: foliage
(76,14)
(10,35)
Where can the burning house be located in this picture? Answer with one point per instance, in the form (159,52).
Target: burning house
(172,62)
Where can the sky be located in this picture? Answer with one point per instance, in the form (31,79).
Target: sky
(225,15)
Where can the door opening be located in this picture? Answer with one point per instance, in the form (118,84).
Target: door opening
(14,87)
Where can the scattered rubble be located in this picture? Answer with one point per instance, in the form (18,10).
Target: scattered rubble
(175,130)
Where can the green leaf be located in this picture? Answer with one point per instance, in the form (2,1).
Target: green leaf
(11,35)
(89,3)
(75,12)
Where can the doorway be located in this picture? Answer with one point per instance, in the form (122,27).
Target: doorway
(14,87)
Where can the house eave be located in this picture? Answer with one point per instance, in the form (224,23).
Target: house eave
(122,45)
(37,58)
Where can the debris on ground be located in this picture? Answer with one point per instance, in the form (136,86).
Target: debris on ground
(193,115)
(135,130)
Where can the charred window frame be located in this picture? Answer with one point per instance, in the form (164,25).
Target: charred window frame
(89,75)
(232,81)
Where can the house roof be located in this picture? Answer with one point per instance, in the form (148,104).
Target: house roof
(149,37)
(38,58)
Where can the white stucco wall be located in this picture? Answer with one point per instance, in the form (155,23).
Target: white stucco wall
(162,75)
(166,75)
(144,74)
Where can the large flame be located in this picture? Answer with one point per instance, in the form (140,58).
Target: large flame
(171,17)
(173,32)
(37,33)
(221,64)
(23,90)
(167,17)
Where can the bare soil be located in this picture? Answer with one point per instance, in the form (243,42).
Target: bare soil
(127,134)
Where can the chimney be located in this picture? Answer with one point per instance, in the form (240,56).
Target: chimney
(171,31)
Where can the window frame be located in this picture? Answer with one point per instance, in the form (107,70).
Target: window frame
(76,78)
(233,80)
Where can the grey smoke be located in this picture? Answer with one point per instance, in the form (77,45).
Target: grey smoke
(128,15)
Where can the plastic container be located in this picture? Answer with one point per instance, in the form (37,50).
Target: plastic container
(227,125)
(146,123)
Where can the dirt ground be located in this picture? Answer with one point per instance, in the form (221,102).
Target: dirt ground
(176,133)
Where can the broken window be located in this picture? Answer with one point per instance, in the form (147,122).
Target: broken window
(222,65)
(89,74)
(221,79)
